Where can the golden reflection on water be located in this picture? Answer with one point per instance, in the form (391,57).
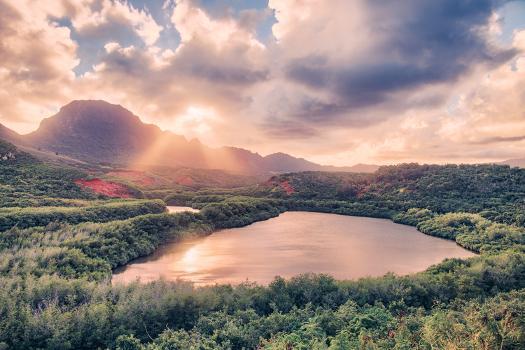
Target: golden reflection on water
(189,262)
(295,242)
(178,209)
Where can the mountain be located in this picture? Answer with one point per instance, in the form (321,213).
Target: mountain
(517,162)
(8,134)
(363,168)
(282,162)
(96,131)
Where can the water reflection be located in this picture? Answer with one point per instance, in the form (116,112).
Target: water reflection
(178,209)
(293,243)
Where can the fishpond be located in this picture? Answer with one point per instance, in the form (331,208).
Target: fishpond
(176,209)
(346,247)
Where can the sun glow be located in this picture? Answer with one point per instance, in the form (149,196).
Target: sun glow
(189,261)
(195,121)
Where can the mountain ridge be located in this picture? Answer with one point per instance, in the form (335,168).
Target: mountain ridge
(8,134)
(98,131)
(514,162)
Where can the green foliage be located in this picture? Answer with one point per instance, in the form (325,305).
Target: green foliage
(471,231)
(91,250)
(198,199)
(498,323)
(497,192)
(26,181)
(195,179)
(376,210)
(240,211)
(128,342)
(413,216)
(115,210)
(181,339)
(48,311)
(56,263)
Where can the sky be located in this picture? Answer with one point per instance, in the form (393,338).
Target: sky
(335,81)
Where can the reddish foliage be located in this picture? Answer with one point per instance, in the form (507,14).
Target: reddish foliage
(110,189)
(285,185)
(184,180)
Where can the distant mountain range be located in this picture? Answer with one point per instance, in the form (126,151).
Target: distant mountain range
(518,162)
(100,132)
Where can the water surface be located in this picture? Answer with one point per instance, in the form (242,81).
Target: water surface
(177,209)
(346,247)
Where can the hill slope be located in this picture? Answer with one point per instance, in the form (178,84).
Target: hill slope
(517,162)
(488,188)
(282,162)
(95,131)
(8,134)
(27,181)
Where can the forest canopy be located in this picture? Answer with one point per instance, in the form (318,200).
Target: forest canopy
(59,244)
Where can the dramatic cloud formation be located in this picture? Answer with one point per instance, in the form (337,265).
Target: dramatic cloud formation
(401,47)
(335,81)
(109,17)
(36,60)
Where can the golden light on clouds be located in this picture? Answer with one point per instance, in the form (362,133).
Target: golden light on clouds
(285,76)
(195,122)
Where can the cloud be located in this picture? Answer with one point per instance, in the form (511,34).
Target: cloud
(484,122)
(219,51)
(499,139)
(105,18)
(216,64)
(376,54)
(340,81)
(36,60)
(193,23)
(491,109)
(39,55)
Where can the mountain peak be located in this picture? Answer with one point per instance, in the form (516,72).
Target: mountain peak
(99,131)
(99,110)
(91,116)
(281,155)
(94,129)
(278,154)
(94,107)
(90,103)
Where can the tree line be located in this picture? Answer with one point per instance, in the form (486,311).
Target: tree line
(59,245)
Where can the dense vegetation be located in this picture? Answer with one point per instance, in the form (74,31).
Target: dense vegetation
(469,302)
(496,192)
(59,244)
(98,212)
(27,182)
(195,179)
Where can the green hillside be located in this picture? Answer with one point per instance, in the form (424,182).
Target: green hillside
(27,181)
(59,244)
(495,191)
